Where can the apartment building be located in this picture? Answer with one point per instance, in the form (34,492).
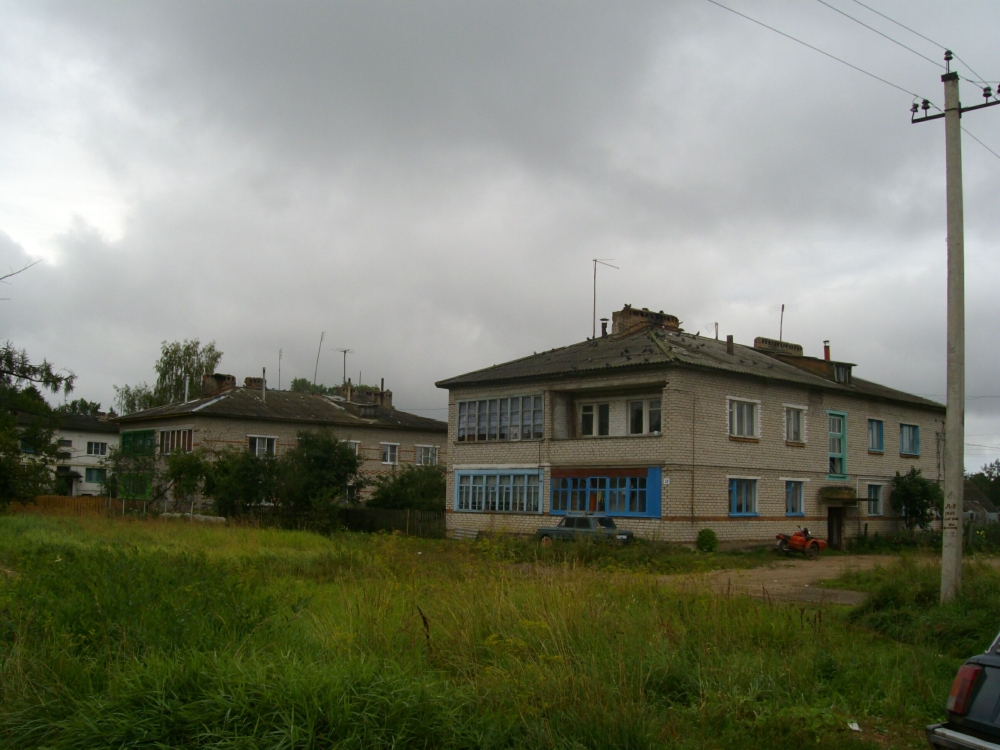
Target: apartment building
(671,432)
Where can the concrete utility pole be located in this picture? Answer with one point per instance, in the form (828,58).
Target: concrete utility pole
(954,448)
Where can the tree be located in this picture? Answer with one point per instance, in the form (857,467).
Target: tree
(987,480)
(80,407)
(410,488)
(916,498)
(181,364)
(316,476)
(26,421)
(184,476)
(237,481)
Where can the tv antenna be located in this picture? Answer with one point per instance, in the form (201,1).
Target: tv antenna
(316,370)
(780,309)
(603,262)
(279,369)
(345,352)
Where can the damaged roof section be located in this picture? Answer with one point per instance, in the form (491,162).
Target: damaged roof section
(287,406)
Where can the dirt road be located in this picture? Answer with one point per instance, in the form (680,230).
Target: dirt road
(791,579)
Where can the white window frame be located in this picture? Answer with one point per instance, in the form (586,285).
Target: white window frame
(596,406)
(180,443)
(730,420)
(394,453)
(355,446)
(257,449)
(95,448)
(645,416)
(803,411)
(433,454)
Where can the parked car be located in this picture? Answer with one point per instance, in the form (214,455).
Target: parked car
(584,526)
(973,720)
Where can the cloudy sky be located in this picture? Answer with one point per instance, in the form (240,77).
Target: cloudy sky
(428,183)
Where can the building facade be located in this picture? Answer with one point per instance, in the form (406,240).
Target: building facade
(84,443)
(671,433)
(268,423)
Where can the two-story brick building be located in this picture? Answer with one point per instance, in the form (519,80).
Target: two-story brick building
(672,432)
(267,422)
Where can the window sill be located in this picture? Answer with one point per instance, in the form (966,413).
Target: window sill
(837,477)
(738,439)
(909,455)
(744,515)
(500,512)
(875,515)
(794,444)
(795,515)
(875,453)
(497,441)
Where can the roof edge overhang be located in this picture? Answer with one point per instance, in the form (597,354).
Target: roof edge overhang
(443,426)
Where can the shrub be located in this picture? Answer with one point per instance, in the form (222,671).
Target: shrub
(916,498)
(410,488)
(707,541)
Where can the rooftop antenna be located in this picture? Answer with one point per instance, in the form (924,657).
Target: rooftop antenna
(603,262)
(316,369)
(345,352)
(279,369)
(780,309)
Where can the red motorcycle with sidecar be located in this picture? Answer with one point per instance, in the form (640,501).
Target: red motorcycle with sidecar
(801,541)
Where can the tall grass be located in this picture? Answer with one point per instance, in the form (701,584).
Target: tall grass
(168,635)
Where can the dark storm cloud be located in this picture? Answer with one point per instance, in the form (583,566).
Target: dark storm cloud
(427,183)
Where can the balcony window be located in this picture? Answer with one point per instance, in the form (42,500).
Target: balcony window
(515,418)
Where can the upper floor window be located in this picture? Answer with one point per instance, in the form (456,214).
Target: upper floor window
(742,497)
(909,440)
(838,443)
(427,455)
(262,446)
(595,419)
(515,418)
(876,436)
(743,418)
(138,442)
(874,499)
(390,453)
(97,449)
(175,441)
(64,443)
(793,424)
(644,417)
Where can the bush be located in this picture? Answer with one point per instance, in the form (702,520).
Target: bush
(707,541)
(410,488)
(916,498)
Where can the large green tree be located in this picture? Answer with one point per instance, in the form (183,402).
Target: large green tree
(916,498)
(987,480)
(26,422)
(80,407)
(410,488)
(182,364)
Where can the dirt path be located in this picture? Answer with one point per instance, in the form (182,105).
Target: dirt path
(787,579)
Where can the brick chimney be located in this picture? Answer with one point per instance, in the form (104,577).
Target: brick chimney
(216,383)
(630,319)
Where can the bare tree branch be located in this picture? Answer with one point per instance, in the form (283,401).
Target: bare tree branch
(22,270)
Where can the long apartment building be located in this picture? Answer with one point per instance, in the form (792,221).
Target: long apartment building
(672,432)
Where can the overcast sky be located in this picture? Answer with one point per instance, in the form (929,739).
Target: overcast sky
(428,183)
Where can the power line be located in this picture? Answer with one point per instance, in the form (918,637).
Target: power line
(984,146)
(886,36)
(815,49)
(925,38)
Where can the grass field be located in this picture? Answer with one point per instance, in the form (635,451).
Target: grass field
(167,634)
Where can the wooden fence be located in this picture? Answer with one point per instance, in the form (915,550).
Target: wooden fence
(63,505)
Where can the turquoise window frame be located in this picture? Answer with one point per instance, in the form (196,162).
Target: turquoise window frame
(876,436)
(631,495)
(875,497)
(738,491)
(916,439)
(790,486)
(842,455)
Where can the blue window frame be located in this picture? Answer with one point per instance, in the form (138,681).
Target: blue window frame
(837,426)
(498,491)
(909,440)
(613,495)
(742,497)
(876,436)
(793,498)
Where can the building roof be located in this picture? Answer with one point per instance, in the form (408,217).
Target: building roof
(653,349)
(286,406)
(71,422)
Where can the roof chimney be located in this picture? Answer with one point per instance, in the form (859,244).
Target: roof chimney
(604,328)
(216,383)
(729,344)
(630,320)
(826,350)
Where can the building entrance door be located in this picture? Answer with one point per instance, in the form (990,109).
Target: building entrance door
(835,527)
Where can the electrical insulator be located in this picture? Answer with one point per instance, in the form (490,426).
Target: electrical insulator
(925,105)
(914,108)
(947,55)
(987,92)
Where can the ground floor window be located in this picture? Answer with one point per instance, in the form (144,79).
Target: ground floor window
(262,446)
(390,453)
(874,499)
(793,498)
(617,492)
(96,476)
(742,497)
(498,492)
(427,455)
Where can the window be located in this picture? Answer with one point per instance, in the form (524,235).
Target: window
(793,498)
(96,476)
(517,418)
(615,495)
(355,446)
(842,374)
(262,446)
(138,442)
(742,497)
(498,492)
(793,425)
(874,499)
(909,440)
(390,453)
(175,441)
(876,438)
(743,419)
(427,455)
(97,449)
(838,444)
(65,443)
(644,417)
(595,419)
